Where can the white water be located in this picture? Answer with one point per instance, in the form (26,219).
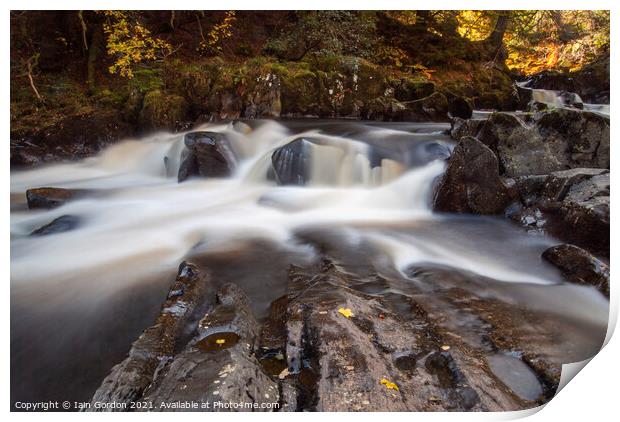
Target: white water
(557,99)
(79,298)
(143,219)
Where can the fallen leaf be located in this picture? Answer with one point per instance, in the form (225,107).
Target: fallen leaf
(381,316)
(445,347)
(346,312)
(220,341)
(389,384)
(283,374)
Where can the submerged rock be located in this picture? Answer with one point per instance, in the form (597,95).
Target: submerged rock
(206,154)
(61,224)
(471,183)
(46,198)
(128,380)
(579,266)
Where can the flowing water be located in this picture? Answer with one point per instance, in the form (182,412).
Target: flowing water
(79,298)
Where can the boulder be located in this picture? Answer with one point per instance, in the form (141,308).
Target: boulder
(579,266)
(460,107)
(46,198)
(61,224)
(206,154)
(585,210)
(291,163)
(432,108)
(465,127)
(575,201)
(218,365)
(560,139)
(471,183)
(128,380)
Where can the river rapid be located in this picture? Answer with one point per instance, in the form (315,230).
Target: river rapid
(79,298)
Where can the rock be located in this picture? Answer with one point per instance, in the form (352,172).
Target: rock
(340,363)
(585,211)
(560,139)
(264,101)
(432,108)
(218,364)
(471,183)
(163,111)
(410,90)
(465,127)
(128,380)
(71,137)
(46,198)
(61,224)
(206,154)
(575,201)
(460,107)
(291,163)
(579,266)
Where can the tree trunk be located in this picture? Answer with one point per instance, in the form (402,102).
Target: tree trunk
(94,50)
(496,39)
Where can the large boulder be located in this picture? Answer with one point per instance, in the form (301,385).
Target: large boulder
(460,107)
(471,183)
(432,108)
(575,202)
(585,209)
(579,266)
(206,154)
(559,140)
(291,164)
(460,128)
(129,379)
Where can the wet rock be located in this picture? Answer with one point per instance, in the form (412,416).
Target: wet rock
(128,380)
(46,198)
(471,183)
(460,107)
(560,139)
(461,128)
(206,154)
(579,266)
(338,363)
(585,210)
(61,224)
(432,108)
(218,364)
(291,163)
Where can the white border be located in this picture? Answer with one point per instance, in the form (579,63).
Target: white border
(590,396)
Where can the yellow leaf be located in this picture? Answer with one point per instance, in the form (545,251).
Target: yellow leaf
(445,347)
(389,384)
(346,312)
(220,341)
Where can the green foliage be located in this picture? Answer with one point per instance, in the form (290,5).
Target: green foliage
(325,32)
